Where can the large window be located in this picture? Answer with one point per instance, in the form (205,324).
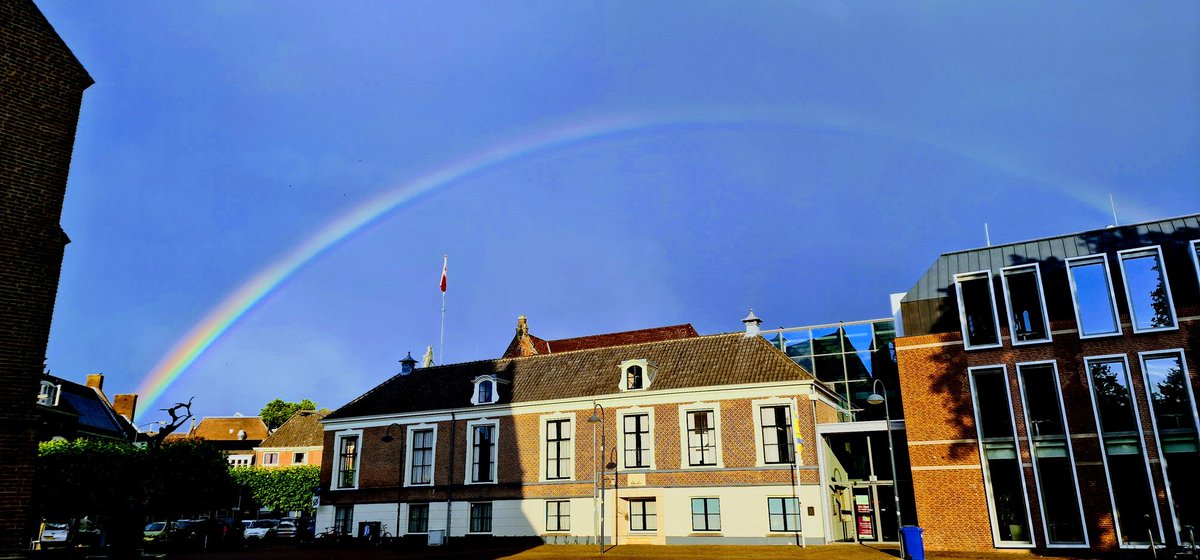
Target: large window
(558,516)
(701,438)
(1053,458)
(1147,289)
(637,440)
(481,517)
(776,427)
(483,453)
(977,309)
(783,514)
(1095,308)
(418,518)
(347,471)
(1003,477)
(643,514)
(1026,305)
(1173,408)
(420,457)
(558,449)
(1124,456)
(343,519)
(706,514)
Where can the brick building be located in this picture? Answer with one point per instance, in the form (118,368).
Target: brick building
(299,441)
(695,437)
(41,88)
(236,436)
(1049,390)
(70,410)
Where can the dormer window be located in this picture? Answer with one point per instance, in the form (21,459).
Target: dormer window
(485,390)
(48,394)
(636,375)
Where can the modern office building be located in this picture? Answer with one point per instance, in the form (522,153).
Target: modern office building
(1049,390)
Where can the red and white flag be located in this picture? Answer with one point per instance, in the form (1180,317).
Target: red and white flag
(444,259)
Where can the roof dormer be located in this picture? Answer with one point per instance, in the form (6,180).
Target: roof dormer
(636,374)
(486,390)
(48,393)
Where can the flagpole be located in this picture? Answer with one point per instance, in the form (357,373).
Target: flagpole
(442,335)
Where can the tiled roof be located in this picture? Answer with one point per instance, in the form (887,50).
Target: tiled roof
(94,411)
(226,428)
(698,361)
(303,429)
(655,334)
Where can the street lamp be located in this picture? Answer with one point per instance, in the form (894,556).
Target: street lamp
(387,438)
(879,396)
(597,417)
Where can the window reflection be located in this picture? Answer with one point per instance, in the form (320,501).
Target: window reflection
(1094,305)
(976,309)
(1026,308)
(1054,464)
(1124,457)
(998,445)
(1175,425)
(1146,288)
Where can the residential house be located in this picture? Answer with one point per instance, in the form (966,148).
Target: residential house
(1049,390)
(674,438)
(236,436)
(297,442)
(68,410)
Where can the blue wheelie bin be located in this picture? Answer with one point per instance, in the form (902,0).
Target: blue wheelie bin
(913,543)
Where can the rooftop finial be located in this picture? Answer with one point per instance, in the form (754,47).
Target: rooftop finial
(752,323)
(428,359)
(522,326)
(407,364)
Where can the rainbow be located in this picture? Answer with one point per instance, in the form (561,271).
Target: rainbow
(237,304)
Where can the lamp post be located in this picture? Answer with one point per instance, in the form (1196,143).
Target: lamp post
(387,438)
(876,397)
(597,417)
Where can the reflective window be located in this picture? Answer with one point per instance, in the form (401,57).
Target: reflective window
(701,438)
(643,515)
(977,309)
(558,449)
(422,457)
(343,519)
(1196,257)
(637,441)
(1175,424)
(1124,457)
(783,514)
(633,377)
(348,462)
(1026,305)
(485,392)
(558,515)
(481,518)
(706,514)
(483,454)
(1094,306)
(418,518)
(1053,460)
(776,423)
(1147,290)
(1001,456)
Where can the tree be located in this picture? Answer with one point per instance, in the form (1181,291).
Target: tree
(278,411)
(280,489)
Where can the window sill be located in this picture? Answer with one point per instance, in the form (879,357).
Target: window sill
(1156,329)
(776,534)
(982,346)
(705,534)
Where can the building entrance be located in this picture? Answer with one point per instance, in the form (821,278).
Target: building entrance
(861,494)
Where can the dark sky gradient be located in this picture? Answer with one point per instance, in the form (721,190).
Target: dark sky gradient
(819,156)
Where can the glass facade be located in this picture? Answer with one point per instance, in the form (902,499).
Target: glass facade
(1175,426)
(1001,456)
(1146,288)
(1094,306)
(848,357)
(1053,459)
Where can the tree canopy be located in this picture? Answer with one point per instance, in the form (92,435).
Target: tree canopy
(276,412)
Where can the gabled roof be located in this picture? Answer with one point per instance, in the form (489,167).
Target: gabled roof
(303,429)
(697,361)
(95,415)
(227,428)
(525,344)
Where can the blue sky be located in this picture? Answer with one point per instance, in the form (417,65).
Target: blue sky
(803,159)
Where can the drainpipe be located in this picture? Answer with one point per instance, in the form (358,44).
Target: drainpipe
(450,473)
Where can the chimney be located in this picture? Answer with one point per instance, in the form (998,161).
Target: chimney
(407,364)
(125,405)
(522,326)
(752,322)
(96,381)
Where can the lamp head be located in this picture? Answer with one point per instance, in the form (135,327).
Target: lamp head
(387,438)
(874,398)
(594,419)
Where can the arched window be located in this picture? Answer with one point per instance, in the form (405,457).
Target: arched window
(633,377)
(485,392)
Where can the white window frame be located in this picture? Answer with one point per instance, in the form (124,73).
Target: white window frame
(475,390)
(408,454)
(1166,284)
(755,408)
(684,409)
(303,457)
(1137,415)
(471,425)
(337,459)
(1194,246)
(983,465)
(962,310)
(1162,458)
(543,438)
(266,458)
(1112,294)
(1012,329)
(636,411)
(44,388)
(1070,452)
(649,369)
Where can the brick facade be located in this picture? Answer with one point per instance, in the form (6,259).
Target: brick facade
(948,476)
(41,88)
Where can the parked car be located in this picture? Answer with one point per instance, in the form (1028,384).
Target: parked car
(155,530)
(262,529)
(286,528)
(204,533)
(54,534)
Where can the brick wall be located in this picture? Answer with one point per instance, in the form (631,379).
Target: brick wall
(41,87)
(947,475)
